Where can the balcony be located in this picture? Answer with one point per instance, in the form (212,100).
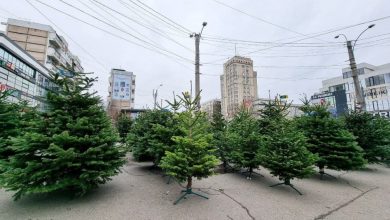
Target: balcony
(55,41)
(53,55)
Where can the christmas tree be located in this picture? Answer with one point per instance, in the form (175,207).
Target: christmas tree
(285,154)
(373,135)
(219,129)
(193,156)
(71,147)
(245,140)
(123,125)
(336,147)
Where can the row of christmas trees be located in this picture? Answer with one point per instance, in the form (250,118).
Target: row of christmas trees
(186,145)
(73,146)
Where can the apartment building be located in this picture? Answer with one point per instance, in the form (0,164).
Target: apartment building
(44,44)
(121,92)
(211,107)
(238,85)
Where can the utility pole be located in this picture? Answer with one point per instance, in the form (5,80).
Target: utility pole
(197,37)
(360,102)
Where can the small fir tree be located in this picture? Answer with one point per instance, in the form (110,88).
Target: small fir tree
(123,124)
(219,130)
(245,141)
(336,147)
(193,156)
(373,135)
(272,115)
(285,154)
(72,148)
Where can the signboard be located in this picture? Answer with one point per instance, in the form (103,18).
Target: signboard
(385,114)
(121,87)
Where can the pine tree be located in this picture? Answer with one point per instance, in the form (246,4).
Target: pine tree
(246,141)
(219,130)
(373,135)
(286,155)
(71,147)
(192,156)
(123,125)
(336,147)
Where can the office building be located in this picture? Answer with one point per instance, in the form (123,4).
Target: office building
(22,74)
(211,107)
(44,44)
(238,85)
(121,92)
(374,82)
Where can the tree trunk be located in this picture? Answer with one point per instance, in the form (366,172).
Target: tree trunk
(189,182)
(287,181)
(322,169)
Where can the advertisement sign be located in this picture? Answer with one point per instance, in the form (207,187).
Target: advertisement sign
(121,87)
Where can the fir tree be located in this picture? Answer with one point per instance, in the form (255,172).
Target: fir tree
(192,156)
(285,154)
(373,135)
(73,148)
(123,125)
(219,130)
(272,115)
(336,147)
(245,141)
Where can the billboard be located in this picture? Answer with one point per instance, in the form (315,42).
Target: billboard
(121,87)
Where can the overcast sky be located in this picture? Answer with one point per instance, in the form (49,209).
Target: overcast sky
(289,69)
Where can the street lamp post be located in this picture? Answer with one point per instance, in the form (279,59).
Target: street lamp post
(197,72)
(155,92)
(360,104)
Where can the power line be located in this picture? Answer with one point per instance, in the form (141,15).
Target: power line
(263,20)
(176,25)
(75,42)
(105,31)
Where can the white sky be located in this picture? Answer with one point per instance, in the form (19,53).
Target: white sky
(293,70)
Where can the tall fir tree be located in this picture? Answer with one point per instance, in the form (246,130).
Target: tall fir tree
(285,153)
(373,135)
(245,140)
(336,146)
(71,147)
(123,125)
(193,155)
(219,130)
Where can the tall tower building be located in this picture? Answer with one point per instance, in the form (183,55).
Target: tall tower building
(44,44)
(238,85)
(121,92)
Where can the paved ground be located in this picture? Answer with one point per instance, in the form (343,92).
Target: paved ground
(141,193)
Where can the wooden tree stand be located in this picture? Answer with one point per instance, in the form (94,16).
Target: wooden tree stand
(287,182)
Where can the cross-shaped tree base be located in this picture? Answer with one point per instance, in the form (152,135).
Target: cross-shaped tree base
(287,182)
(188,191)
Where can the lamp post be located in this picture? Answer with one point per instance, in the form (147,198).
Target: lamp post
(360,104)
(155,91)
(197,73)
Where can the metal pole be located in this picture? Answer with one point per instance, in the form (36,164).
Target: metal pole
(360,102)
(197,73)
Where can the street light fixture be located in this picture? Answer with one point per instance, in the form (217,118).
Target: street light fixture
(360,103)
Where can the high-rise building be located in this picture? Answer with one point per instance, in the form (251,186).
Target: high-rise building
(211,107)
(121,92)
(238,85)
(22,74)
(44,44)
(374,82)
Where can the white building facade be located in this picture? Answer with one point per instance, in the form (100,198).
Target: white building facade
(374,82)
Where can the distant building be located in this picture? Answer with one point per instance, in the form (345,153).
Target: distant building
(336,101)
(292,111)
(44,44)
(21,73)
(121,92)
(211,107)
(238,85)
(374,81)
